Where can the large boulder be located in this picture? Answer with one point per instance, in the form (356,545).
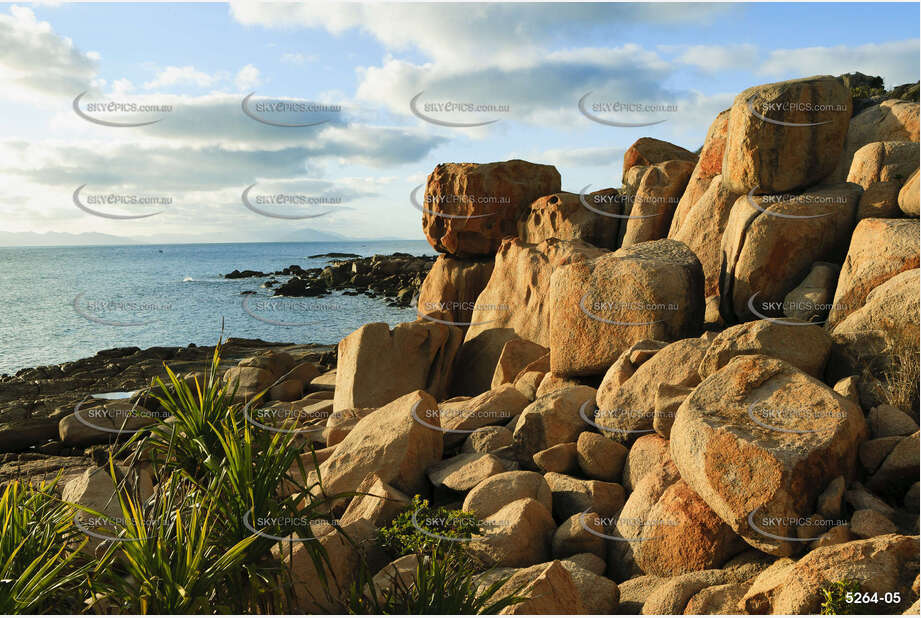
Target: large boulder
(881,168)
(487,439)
(389,442)
(517,535)
(701,228)
(909,196)
(883,565)
(598,308)
(759,440)
(648,151)
(654,203)
(899,470)
(547,589)
(470,207)
(883,162)
(463,472)
(598,594)
(718,599)
(627,410)
(648,454)
(96,491)
(322,586)
(572,496)
(98,424)
(811,300)
(497,491)
(553,419)
(514,304)
(785,136)
(709,165)
(879,341)
(671,530)
(562,458)
(516,355)
(580,534)
(880,249)
(771,242)
(278,364)
(460,416)
(249,383)
(376,502)
(451,287)
(340,423)
(805,346)
(366,376)
(592,217)
(600,458)
(890,121)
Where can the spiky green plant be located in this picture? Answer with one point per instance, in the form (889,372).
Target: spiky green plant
(247,473)
(165,560)
(40,563)
(443,583)
(190,438)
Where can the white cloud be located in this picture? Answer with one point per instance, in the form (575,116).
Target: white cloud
(183,76)
(716,58)
(896,61)
(541,85)
(297,58)
(247,78)
(458,34)
(599,156)
(34,60)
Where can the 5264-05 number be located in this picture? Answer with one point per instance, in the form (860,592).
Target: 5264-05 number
(864,598)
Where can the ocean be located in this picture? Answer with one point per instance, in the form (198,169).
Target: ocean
(65,303)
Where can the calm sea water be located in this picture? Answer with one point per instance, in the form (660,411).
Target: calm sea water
(64,303)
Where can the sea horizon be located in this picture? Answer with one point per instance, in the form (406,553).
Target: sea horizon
(182,295)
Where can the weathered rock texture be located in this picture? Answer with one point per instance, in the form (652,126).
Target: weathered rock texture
(472,206)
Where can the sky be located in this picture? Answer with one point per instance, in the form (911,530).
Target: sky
(349,73)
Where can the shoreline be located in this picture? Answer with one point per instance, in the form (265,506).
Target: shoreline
(35,399)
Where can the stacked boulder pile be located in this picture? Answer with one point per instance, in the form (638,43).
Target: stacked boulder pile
(693,394)
(696,393)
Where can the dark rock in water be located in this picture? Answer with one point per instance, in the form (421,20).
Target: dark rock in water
(334,255)
(244,274)
(396,277)
(247,292)
(301,287)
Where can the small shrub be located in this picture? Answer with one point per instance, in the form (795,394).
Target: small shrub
(900,383)
(423,529)
(865,92)
(834,597)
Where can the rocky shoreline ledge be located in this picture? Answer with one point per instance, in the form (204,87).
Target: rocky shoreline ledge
(396,277)
(693,394)
(35,401)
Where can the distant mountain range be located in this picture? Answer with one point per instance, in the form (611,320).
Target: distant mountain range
(34,239)
(49,239)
